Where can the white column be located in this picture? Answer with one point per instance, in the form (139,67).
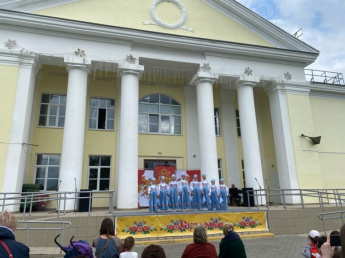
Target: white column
(286,164)
(230,137)
(207,135)
(71,168)
(20,127)
(249,134)
(127,195)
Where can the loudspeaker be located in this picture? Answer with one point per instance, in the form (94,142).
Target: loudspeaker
(84,203)
(245,197)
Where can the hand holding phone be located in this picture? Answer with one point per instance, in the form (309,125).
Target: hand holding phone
(335,240)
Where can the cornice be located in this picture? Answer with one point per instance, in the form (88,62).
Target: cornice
(35,5)
(52,26)
(259,25)
(17,58)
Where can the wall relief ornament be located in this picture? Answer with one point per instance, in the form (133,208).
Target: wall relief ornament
(161,23)
(10,43)
(131,59)
(80,52)
(287,76)
(248,71)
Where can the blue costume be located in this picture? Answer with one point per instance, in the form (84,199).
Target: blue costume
(184,199)
(163,200)
(223,200)
(153,201)
(196,195)
(214,197)
(205,198)
(173,195)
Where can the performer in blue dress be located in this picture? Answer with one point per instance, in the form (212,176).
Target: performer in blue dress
(184,193)
(173,193)
(214,195)
(224,192)
(163,189)
(153,191)
(195,188)
(205,193)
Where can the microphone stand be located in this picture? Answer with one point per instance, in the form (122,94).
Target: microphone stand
(260,190)
(75,195)
(269,195)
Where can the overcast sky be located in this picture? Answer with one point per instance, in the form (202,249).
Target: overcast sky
(322,23)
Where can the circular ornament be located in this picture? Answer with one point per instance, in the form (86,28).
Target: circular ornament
(168,25)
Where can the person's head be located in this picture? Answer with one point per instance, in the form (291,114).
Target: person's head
(195,177)
(342,239)
(213,181)
(233,186)
(221,181)
(173,177)
(183,176)
(107,227)
(162,179)
(320,241)
(204,176)
(129,243)
(153,251)
(153,180)
(228,228)
(7,219)
(314,236)
(200,235)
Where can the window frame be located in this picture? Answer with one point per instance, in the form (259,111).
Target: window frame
(243,174)
(47,170)
(220,168)
(219,126)
(150,114)
(106,114)
(99,167)
(238,123)
(47,115)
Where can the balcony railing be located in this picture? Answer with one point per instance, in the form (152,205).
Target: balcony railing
(324,77)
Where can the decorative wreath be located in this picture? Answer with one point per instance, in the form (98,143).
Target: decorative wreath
(167,25)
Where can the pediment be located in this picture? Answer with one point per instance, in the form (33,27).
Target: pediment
(223,20)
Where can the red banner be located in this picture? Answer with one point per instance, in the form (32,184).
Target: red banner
(166,171)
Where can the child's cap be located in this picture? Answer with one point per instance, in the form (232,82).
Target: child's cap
(195,176)
(203,174)
(173,175)
(153,179)
(222,179)
(314,233)
(162,177)
(213,180)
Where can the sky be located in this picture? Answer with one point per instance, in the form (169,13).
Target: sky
(322,23)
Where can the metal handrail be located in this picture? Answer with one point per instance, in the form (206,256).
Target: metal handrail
(326,77)
(322,215)
(16,199)
(28,228)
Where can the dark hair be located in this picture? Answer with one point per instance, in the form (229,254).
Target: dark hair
(153,251)
(321,240)
(342,239)
(107,228)
(313,240)
(129,243)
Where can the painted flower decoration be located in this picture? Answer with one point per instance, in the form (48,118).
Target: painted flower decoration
(176,225)
(139,228)
(247,222)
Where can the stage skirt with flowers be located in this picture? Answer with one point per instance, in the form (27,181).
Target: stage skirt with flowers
(223,200)
(196,198)
(153,201)
(163,200)
(184,199)
(205,198)
(173,197)
(214,200)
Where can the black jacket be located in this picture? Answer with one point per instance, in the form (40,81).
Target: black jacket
(18,249)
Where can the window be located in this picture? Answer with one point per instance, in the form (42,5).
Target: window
(238,123)
(220,169)
(99,172)
(102,113)
(217,121)
(243,175)
(159,114)
(47,171)
(52,111)
(150,163)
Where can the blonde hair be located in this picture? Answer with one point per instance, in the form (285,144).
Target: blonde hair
(228,228)
(8,220)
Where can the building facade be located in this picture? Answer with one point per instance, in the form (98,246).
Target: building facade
(93,90)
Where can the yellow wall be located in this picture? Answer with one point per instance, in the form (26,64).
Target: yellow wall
(301,122)
(171,146)
(332,146)
(206,21)
(8,86)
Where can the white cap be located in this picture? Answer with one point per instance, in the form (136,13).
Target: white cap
(314,233)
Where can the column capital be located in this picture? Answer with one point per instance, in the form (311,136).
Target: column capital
(76,62)
(251,83)
(130,68)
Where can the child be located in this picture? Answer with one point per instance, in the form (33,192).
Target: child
(153,191)
(184,192)
(173,193)
(310,250)
(214,195)
(128,246)
(223,191)
(205,193)
(195,192)
(162,195)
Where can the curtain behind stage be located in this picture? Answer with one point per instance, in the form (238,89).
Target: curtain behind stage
(145,175)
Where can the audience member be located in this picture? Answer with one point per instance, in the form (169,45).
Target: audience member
(335,233)
(310,250)
(153,251)
(200,248)
(8,245)
(321,240)
(107,244)
(328,251)
(128,246)
(231,245)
